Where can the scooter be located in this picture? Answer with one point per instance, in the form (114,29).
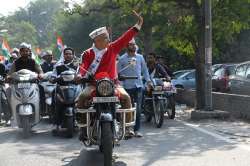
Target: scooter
(48,88)
(4,106)
(25,100)
(66,94)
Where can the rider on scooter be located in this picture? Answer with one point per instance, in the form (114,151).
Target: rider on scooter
(48,64)
(67,63)
(25,61)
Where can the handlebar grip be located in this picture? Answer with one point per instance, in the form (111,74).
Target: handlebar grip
(121,77)
(131,77)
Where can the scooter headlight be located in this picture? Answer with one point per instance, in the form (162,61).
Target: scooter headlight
(105,88)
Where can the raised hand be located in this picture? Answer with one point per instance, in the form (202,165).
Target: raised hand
(140,18)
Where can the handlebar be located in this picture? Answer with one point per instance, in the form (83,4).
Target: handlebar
(19,81)
(122,77)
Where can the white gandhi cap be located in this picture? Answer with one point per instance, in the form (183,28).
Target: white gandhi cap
(97,32)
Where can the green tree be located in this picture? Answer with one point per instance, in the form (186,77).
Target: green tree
(22,32)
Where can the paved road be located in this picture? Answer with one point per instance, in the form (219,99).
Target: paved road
(178,143)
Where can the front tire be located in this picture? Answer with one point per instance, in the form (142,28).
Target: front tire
(107,143)
(159,113)
(26,126)
(70,126)
(171,107)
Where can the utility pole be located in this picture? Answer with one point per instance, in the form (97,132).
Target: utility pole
(208,55)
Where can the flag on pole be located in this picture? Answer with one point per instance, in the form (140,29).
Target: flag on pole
(60,45)
(38,51)
(5,49)
(37,55)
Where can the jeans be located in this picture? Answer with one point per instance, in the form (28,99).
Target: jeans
(136,96)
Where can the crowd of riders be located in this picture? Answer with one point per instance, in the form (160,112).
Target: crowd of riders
(92,61)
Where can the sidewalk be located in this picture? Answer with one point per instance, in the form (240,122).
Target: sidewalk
(231,128)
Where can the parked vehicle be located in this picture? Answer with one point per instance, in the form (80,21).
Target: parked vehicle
(66,94)
(221,76)
(24,100)
(159,101)
(185,81)
(239,83)
(216,67)
(178,73)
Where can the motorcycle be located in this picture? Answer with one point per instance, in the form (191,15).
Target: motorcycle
(104,123)
(25,100)
(159,101)
(66,94)
(48,88)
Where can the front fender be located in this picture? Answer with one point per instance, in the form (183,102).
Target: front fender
(69,111)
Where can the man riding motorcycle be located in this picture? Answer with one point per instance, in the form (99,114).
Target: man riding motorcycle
(66,64)
(160,77)
(101,58)
(156,70)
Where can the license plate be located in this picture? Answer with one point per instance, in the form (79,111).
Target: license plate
(158,92)
(105,99)
(23,85)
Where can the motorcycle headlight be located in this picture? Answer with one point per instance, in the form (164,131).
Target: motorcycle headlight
(158,88)
(105,88)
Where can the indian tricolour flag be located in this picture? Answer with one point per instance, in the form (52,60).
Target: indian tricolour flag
(60,43)
(5,49)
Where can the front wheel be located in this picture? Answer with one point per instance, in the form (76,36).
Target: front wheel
(107,143)
(171,107)
(159,113)
(25,120)
(70,126)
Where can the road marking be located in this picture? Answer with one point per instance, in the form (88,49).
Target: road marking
(198,128)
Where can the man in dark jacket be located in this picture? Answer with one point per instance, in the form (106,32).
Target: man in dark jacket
(2,70)
(67,63)
(48,64)
(156,70)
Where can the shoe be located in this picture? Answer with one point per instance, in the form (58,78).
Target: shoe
(56,131)
(131,133)
(138,134)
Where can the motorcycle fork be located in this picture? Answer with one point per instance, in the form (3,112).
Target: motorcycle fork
(105,108)
(154,103)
